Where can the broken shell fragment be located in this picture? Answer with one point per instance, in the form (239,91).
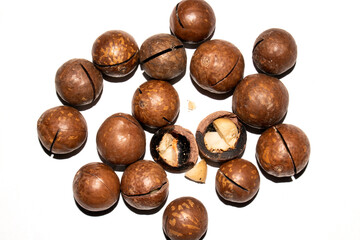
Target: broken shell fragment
(221,137)
(198,173)
(174,148)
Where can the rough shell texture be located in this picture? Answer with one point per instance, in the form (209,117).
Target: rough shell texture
(121,139)
(62,129)
(144,185)
(163,57)
(237,181)
(78,82)
(275,51)
(217,66)
(156,104)
(188,154)
(192,21)
(223,156)
(283,150)
(115,53)
(185,218)
(96,187)
(260,101)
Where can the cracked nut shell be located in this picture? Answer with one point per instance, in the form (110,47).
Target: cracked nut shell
(155,104)
(237,181)
(283,150)
(206,125)
(121,140)
(163,57)
(260,101)
(192,21)
(185,218)
(217,66)
(96,187)
(144,185)
(274,51)
(115,53)
(174,148)
(62,130)
(78,82)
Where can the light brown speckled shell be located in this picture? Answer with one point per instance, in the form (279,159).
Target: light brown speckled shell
(185,218)
(62,129)
(144,185)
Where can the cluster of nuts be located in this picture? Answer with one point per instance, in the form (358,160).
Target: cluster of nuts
(259,101)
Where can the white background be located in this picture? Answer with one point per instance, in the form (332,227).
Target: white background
(37,37)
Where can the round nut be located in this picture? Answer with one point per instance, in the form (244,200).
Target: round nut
(237,181)
(62,129)
(274,51)
(260,101)
(115,53)
(217,66)
(121,140)
(78,82)
(174,148)
(96,187)
(185,218)
(163,57)
(144,185)
(283,150)
(192,21)
(221,137)
(155,104)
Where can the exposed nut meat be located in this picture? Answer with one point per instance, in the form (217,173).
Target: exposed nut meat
(225,136)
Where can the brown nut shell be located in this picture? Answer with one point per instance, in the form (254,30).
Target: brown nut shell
(183,145)
(155,104)
(260,101)
(121,140)
(274,52)
(185,218)
(283,150)
(217,66)
(144,185)
(96,187)
(192,21)
(115,53)
(237,181)
(62,130)
(222,156)
(163,57)
(78,82)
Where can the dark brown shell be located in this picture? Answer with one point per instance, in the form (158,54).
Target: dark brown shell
(96,187)
(121,140)
(115,53)
(185,218)
(188,155)
(217,66)
(156,104)
(192,21)
(163,57)
(260,101)
(237,152)
(78,82)
(144,185)
(237,181)
(62,129)
(274,51)
(283,150)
